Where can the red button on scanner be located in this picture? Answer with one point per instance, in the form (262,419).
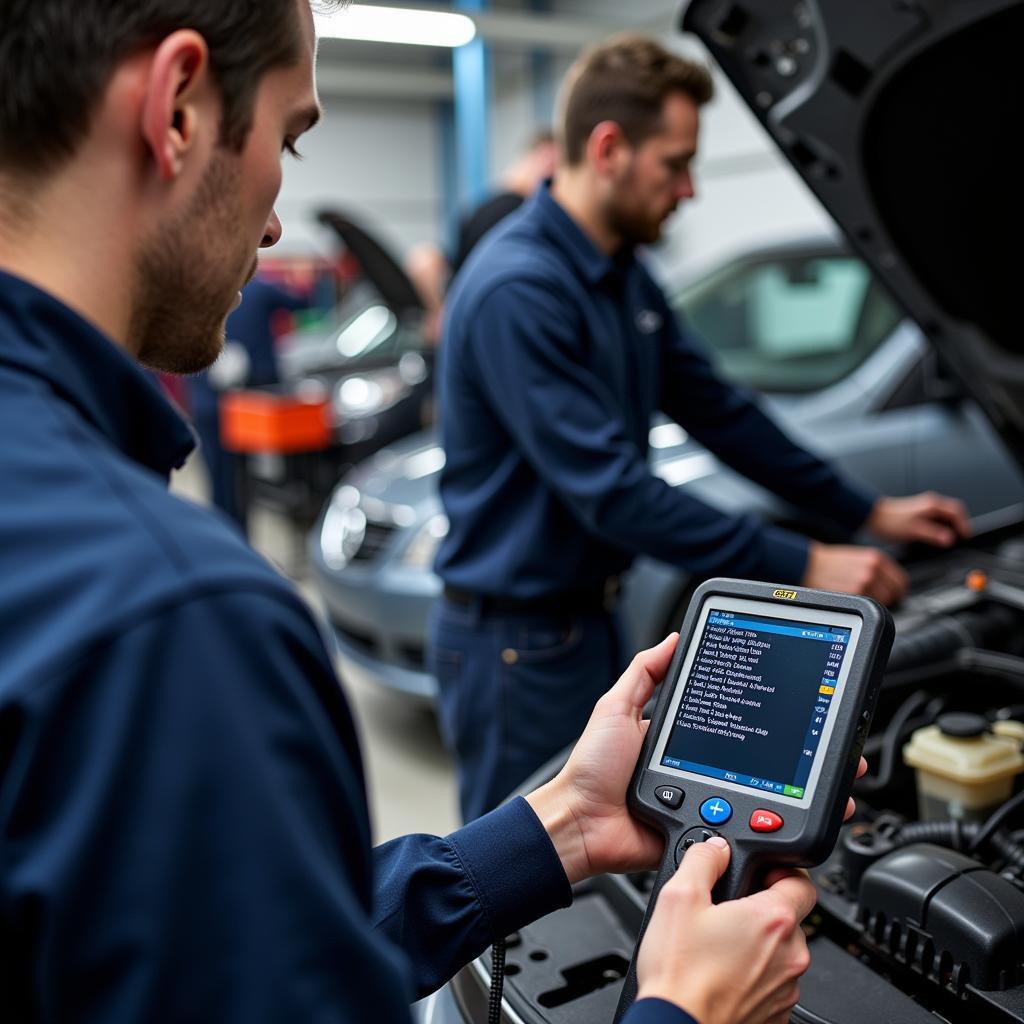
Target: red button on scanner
(765,821)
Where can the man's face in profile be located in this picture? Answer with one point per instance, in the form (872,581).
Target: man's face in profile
(189,271)
(658,176)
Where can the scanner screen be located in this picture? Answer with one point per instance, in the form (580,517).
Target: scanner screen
(757,700)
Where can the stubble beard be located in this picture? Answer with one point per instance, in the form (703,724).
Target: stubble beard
(643,234)
(188,275)
(626,218)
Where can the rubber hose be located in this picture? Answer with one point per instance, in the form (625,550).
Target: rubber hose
(940,639)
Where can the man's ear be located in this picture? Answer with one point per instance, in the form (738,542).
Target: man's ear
(178,77)
(607,148)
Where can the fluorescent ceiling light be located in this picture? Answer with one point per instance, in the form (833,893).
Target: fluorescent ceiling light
(397,25)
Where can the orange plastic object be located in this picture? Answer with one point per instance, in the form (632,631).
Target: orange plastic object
(257,421)
(976,580)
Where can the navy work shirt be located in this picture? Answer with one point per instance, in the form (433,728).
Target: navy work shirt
(555,356)
(183,824)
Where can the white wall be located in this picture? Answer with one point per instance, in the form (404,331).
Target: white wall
(512,109)
(379,160)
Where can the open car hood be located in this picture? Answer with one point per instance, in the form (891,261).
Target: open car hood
(900,115)
(378,265)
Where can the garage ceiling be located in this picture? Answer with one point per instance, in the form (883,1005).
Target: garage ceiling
(420,72)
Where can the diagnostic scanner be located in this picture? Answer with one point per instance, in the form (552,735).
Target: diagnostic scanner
(758,730)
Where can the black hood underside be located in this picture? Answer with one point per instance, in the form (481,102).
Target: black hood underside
(902,116)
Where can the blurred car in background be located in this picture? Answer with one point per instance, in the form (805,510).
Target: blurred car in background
(365,371)
(842,370)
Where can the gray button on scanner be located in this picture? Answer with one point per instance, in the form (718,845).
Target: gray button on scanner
(669,796)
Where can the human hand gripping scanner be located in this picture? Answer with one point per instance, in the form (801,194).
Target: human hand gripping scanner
(758,730)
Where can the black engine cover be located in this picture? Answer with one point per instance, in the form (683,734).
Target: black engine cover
(945,915)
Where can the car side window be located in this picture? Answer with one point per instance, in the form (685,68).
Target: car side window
(791,322)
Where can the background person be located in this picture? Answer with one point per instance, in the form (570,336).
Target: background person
(425,263)
(182,808)
(251,326)
(517,184)
(558,348)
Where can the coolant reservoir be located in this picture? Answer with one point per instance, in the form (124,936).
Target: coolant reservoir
(965,770)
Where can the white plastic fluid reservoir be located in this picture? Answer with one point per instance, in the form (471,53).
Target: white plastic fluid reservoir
(965,765)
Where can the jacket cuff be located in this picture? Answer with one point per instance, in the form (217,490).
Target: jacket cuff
(851,506)
(783,555)
(513,865)
(657,1011)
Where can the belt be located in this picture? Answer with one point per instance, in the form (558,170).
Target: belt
(600,597)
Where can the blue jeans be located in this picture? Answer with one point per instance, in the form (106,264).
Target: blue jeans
(515,689)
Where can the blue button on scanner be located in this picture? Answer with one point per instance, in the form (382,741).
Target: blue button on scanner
(716,811)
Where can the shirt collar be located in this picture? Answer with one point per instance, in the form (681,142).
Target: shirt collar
(42,336)
(591,262)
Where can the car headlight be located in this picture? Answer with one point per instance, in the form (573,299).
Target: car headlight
(420,553)
(343,529)
(368,394)
(359,396)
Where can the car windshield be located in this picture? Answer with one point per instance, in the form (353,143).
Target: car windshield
(790,322)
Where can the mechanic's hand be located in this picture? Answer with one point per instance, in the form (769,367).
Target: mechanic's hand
(929,518)
(855,570)
(584,807)
(732,963)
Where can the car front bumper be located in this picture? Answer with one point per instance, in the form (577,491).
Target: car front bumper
(378,614)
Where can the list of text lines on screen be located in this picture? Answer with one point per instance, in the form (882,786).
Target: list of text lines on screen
(757,700)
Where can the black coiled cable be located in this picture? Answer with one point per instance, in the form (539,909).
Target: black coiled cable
(497,982)
(967,837)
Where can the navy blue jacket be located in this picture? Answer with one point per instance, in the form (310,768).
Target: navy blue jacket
(554,358)
(183,824)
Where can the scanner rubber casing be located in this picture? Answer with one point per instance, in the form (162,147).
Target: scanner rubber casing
(796,844)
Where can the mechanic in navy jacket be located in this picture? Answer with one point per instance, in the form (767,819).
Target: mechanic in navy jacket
(183,820)
(558,347)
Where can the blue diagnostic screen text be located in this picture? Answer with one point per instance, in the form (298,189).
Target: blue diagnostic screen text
(757,700)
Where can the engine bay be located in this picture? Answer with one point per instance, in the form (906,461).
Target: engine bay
(926,886)
(920,914)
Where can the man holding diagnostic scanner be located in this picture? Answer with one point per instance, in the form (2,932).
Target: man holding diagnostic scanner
(183,816)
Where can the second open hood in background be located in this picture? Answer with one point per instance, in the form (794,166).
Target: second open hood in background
(378,265)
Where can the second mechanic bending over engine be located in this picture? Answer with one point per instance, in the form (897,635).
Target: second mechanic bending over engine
(558,348)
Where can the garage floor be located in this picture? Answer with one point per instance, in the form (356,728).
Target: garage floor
(409,774)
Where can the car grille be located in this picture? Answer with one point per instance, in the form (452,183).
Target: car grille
(374,541)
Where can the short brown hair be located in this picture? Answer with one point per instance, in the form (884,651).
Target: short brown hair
(57,57)
(625,80)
